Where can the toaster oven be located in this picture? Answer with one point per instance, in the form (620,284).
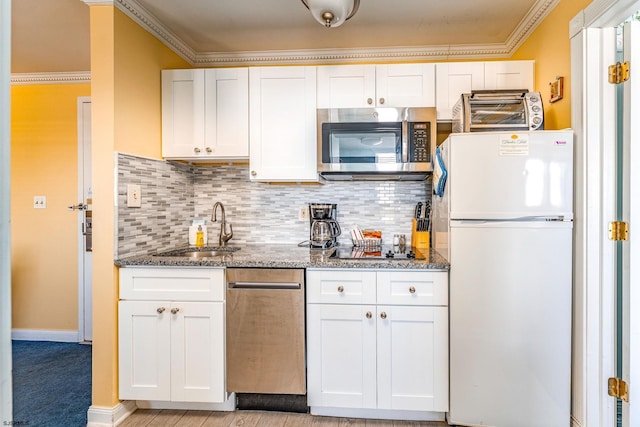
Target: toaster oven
(498,110)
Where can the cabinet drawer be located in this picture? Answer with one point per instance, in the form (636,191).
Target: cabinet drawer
(341,286)
(184,284)
(412,288)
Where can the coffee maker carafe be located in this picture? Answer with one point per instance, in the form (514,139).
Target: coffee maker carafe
(323,227)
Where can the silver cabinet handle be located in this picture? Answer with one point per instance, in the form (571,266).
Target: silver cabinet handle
(254,173)
(209,149)
(341,289)
(197,150)
(369,101)
(381,101)
(175,310)
(412,290)
(383,315)
(161,310)
(369,315)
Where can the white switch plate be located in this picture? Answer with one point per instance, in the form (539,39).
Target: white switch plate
(134,196)
(39,202)
(303,213)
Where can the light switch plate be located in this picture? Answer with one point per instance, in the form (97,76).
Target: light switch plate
(39,202)
(134,196)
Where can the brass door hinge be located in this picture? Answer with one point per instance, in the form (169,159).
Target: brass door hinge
(619,72)
(618,230)
(619,389)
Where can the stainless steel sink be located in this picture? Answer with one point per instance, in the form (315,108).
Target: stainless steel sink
(201,253)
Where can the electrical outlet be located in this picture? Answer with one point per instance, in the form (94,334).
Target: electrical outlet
(39,202)
(134,196)
(303,214)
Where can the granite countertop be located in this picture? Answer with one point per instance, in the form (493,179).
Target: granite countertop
(283,256)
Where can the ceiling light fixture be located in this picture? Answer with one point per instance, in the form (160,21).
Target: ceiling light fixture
(332,13)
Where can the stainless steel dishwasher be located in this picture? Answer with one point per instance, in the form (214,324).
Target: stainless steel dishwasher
(265,331)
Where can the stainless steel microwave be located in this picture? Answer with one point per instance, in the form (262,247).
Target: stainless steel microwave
(496,110)
(375,143)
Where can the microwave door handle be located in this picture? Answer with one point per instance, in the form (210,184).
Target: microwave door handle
(405,142)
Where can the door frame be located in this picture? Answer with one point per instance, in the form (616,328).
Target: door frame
(81,199)
(593,114)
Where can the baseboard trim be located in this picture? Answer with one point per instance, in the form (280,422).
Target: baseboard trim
(381,414)
(109,417)
(228,406)
(44,335)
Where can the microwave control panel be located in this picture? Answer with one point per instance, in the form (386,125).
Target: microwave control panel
(419,142)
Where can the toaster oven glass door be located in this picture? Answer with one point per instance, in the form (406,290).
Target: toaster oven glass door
(362,142)
(497,114)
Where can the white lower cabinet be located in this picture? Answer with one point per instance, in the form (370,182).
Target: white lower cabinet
(385,355)
(171,349)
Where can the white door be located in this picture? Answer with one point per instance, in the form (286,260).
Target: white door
(452,80)
(413,358)
(197,352)
(85,225)
(341,356)
(282,131)
(405,85)
(144,350)
(346,86)
(630,185)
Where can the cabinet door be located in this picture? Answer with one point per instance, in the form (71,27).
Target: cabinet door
(283,124)
(144,350)
(346,86)
(405,85)
(413,372)
(509,75)
(197,352)
(452,80)
(226,113)
(182,113)
(341,356)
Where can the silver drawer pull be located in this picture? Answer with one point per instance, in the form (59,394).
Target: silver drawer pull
(175,310)
(341,289)
(369,315)
(161,310)
(383,315)
(412,290)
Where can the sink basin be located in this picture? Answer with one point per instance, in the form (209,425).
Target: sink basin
(202,253)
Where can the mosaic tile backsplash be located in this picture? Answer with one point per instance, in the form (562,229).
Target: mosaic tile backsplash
(174,194)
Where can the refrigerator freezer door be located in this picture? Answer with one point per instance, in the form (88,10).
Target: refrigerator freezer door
(510,324)
(505,175)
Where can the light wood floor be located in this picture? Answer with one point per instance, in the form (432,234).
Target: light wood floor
(167,417)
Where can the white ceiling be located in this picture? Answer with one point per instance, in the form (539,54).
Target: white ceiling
(53,35)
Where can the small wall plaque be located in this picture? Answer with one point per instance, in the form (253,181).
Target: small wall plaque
(556,89)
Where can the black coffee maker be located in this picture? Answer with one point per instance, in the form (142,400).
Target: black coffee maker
(323,227)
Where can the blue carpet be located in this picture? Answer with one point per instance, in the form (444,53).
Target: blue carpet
(51,383)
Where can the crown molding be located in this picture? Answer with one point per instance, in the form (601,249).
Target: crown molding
(317,56)
(51,78)
(538,12)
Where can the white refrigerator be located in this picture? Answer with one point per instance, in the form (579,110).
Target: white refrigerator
(504,220)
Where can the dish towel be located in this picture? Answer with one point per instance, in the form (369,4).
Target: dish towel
(439,175)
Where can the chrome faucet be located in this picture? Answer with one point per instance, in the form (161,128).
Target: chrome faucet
(224,236)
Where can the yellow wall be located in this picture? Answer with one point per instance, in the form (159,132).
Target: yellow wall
(126,116)
(550,46)
(44,162)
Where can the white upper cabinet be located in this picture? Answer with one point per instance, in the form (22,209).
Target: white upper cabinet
(454,79)
(389,85)
(283,124)
(205,113)
(509,75)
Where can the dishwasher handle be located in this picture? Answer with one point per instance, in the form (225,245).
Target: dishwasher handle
(263,285)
